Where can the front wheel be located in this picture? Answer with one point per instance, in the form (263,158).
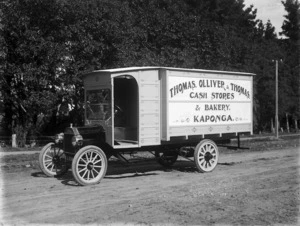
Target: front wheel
(206,156)
(52,160)
(89,165)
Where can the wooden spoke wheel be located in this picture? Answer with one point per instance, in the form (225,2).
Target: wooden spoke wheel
(52,160)
(89,165)
(206,156)
(166,158)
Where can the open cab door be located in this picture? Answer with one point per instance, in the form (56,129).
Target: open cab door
(125,118)
(112,102)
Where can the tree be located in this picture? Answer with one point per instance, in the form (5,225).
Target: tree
(47,46)
(30,62)
(266,51)
(291,25)
(291,29)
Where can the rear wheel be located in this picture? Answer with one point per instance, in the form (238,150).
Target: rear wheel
(52,160)
(206,156)
(89,165)
(166,158)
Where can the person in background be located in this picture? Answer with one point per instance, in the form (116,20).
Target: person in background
(63,113)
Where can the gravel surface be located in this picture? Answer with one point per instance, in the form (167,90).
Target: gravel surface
(259,186)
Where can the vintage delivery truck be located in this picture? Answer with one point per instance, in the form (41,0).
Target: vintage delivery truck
(169,111)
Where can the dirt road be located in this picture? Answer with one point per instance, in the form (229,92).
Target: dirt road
(253,187)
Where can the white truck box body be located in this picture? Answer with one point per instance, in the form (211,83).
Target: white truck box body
(179,102)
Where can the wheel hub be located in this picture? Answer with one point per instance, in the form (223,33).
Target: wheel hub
(208,156)
(90,166)
(56,159)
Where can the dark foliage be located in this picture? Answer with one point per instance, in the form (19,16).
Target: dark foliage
(46,46)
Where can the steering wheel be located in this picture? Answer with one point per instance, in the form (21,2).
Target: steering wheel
(117,109)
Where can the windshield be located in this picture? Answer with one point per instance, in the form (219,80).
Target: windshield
(98,104)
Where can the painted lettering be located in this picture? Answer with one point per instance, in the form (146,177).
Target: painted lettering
(222,96)
(216,107)
(194,95)
(180,88)
(211,83)
(212,118)
(240,90)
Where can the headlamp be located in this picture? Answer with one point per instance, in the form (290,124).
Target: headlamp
(77,140)
(59,138)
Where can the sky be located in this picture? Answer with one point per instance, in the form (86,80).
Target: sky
(269,9)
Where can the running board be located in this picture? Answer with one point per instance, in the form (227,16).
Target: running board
(123,144)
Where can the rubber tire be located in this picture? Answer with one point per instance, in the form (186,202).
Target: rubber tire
(42,162)
(171,159)
(76,159)
(214,155)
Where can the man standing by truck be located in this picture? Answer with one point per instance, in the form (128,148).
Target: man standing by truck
(63,114)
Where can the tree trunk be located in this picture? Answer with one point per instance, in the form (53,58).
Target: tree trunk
(272,126)
(21,133)
(287,122)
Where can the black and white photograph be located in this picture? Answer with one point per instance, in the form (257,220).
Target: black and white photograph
(149,112)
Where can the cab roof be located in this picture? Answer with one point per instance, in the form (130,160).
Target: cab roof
(127,69)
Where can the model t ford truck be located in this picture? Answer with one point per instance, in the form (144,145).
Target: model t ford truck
(170,111)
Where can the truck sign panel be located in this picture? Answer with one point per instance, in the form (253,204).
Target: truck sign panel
(209,101)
